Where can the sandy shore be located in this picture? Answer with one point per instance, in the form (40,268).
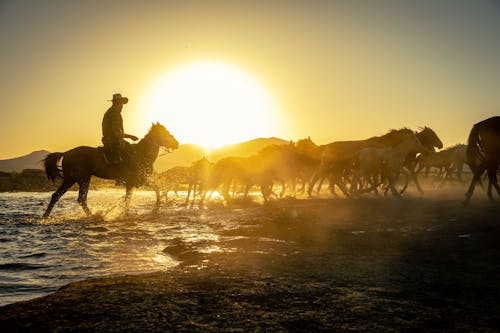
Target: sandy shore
(369,264)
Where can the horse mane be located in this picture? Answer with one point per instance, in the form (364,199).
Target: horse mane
(394,133)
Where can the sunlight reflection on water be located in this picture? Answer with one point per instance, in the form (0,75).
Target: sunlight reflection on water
(38,256)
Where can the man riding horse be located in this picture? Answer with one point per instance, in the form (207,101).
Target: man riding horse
(113,134)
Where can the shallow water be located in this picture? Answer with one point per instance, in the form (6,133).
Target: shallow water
(39,256)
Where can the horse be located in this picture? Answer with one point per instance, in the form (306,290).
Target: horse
(284,163)
(194,176)
(171,180)
(483,154)
(311,160)
(430,141)
(459,159)
(80,163)
(339,156)
(373,162)
(244,171)
(441,159)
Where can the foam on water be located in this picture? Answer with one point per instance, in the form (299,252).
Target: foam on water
(39,256)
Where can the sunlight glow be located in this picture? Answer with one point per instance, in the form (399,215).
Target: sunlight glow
(211,104)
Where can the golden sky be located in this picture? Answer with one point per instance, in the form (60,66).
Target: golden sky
(336,69)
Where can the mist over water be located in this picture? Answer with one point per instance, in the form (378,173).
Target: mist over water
(39,256)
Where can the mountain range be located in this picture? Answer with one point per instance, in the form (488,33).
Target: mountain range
(184,156)
(33,160)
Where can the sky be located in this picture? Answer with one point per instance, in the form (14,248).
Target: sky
(337,70)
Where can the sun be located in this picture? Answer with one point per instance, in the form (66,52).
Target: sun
(211,104)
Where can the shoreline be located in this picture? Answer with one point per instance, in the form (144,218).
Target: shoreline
(303,265)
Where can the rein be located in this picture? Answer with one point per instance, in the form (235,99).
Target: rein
(164,149)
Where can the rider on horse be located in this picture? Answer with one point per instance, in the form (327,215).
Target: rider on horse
(112,131)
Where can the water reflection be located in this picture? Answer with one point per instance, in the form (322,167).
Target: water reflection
(38,256)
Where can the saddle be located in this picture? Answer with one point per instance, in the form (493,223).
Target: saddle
(111,156)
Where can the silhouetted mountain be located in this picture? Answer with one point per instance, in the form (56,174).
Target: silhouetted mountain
(31,161)
(244,149)
(188,153)
(184,156)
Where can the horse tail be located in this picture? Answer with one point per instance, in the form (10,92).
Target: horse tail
(50,164)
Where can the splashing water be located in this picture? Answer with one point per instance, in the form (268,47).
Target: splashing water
(39,256)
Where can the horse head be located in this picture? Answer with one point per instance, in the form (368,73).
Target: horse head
(429,138)
(162,137)
(307,144)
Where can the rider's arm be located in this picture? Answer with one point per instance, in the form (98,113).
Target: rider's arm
(130,136)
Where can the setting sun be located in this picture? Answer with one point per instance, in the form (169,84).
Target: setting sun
(211,104)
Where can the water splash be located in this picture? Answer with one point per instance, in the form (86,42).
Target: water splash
(37,256)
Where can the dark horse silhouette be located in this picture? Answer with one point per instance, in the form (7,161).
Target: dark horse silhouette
(483,154)
(80,163)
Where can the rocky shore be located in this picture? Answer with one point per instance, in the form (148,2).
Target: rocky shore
(343,265)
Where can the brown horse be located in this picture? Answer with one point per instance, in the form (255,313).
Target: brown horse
(442,160)
(80,163)
(311,160)
(483,154)
(459,160)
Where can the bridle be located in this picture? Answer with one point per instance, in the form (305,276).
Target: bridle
(165,150)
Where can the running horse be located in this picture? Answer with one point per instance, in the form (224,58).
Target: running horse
(483,154)
(430,141)
(80,163)
(338,157)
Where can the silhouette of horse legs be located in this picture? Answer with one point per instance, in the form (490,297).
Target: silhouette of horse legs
(66,184)
(477,173)
(128,196)
(82,194)
(492,181)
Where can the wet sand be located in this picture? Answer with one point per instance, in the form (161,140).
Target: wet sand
(367,264)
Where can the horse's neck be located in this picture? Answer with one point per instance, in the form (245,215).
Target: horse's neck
(406,146)
(148,150)
(391,139)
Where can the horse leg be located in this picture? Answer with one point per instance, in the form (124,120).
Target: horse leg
(414,177)
(83,190)
(66,184)
(128,196)
(283,188)
(495,184)
(393,176)
(320,184)
(156,188)
(459,172)
(336,179)
(315,178)
(475,179)
(190,188)
(492,181)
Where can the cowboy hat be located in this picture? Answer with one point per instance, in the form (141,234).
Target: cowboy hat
(118,97)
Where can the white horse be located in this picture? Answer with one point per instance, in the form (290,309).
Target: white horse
(376,164)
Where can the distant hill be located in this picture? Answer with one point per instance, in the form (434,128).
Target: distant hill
(30,161)
(186,154)
(244,149)
(183,156)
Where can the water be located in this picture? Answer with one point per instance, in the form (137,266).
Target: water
(39,256)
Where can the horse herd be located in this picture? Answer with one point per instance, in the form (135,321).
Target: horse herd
(355,167)
(384,164)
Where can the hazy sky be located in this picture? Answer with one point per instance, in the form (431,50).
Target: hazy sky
(337,69)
